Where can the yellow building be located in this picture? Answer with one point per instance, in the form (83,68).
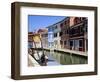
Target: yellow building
(36,40)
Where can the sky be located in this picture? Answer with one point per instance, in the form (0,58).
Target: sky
(35,21)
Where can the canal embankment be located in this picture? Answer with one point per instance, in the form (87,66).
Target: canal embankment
(72,52)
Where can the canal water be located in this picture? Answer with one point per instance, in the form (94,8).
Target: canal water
(58,58)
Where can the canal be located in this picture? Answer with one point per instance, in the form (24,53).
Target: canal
(58,58)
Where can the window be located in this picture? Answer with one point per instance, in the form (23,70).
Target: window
(61,33)
(80,18)
(83,18)
(55,34)
(71,43)
(86,29)
(72,31)
(76,20)
(46,35)
(65,22)
(80,43)
(82,29)
(61,25)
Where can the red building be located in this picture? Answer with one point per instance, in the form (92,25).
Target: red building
(78,34)
(74,33)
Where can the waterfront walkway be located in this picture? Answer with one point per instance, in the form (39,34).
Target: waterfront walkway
(32,61)
(70,51)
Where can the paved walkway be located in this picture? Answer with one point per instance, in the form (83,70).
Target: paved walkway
(71,51)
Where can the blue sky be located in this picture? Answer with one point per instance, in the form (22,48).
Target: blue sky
(35,21)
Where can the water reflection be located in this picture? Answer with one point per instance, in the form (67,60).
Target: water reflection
(57,58)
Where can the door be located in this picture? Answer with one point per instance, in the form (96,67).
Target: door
(80,45)
(76,45)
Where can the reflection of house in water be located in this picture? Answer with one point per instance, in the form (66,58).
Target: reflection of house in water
(44,37)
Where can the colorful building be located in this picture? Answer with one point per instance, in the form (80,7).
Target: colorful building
(64,25)
(78,34)
(54,35)
(44,37)
(69,33)
(57,37)
(50,37)
(34,40)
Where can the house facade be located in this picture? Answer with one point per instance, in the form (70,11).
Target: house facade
(78,34)
(54,35)
(44,37)
(30,39)
(34,40)
(69,33)
(57,37)
(64,25)
(50,37)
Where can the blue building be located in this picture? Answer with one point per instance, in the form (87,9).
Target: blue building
(50,37)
